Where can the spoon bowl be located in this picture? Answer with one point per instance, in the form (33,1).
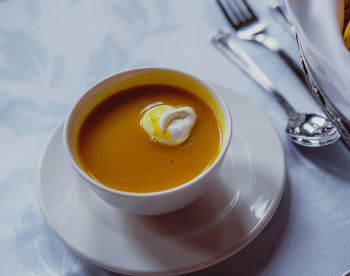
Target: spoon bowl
(311,130)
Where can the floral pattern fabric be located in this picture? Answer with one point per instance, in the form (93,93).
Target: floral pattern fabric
(53,51)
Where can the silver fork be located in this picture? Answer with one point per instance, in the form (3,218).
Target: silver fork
(248,27)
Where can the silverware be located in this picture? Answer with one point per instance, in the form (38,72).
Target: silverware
(310,130)
(278,11)
(346,273)
(248,27)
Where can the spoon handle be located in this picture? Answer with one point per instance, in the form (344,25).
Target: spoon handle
(231,49)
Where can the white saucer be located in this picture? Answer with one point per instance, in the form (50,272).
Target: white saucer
(230,215)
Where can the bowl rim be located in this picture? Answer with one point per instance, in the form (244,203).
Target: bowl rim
(225,145)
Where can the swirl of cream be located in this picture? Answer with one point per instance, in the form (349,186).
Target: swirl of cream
(168,125)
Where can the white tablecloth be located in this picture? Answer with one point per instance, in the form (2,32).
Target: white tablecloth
(52,51)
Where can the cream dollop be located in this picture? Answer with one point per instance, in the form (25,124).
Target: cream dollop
(167,124)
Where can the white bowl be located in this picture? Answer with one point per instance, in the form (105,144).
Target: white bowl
(153,203)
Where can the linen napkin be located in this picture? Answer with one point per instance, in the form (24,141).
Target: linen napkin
(319,26)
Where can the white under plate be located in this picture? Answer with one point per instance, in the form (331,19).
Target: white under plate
(223,221)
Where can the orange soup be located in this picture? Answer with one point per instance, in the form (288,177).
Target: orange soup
(115,150)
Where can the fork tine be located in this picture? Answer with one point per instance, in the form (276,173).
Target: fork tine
(237,12)
(236,9)
(229,14)
(252,14)
(246,11)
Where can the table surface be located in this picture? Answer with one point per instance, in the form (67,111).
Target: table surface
(52,51)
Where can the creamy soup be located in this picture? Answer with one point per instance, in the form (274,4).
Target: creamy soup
(114,149)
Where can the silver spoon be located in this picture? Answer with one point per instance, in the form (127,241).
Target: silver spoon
(309,130)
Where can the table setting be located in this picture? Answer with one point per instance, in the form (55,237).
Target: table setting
(252,100)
